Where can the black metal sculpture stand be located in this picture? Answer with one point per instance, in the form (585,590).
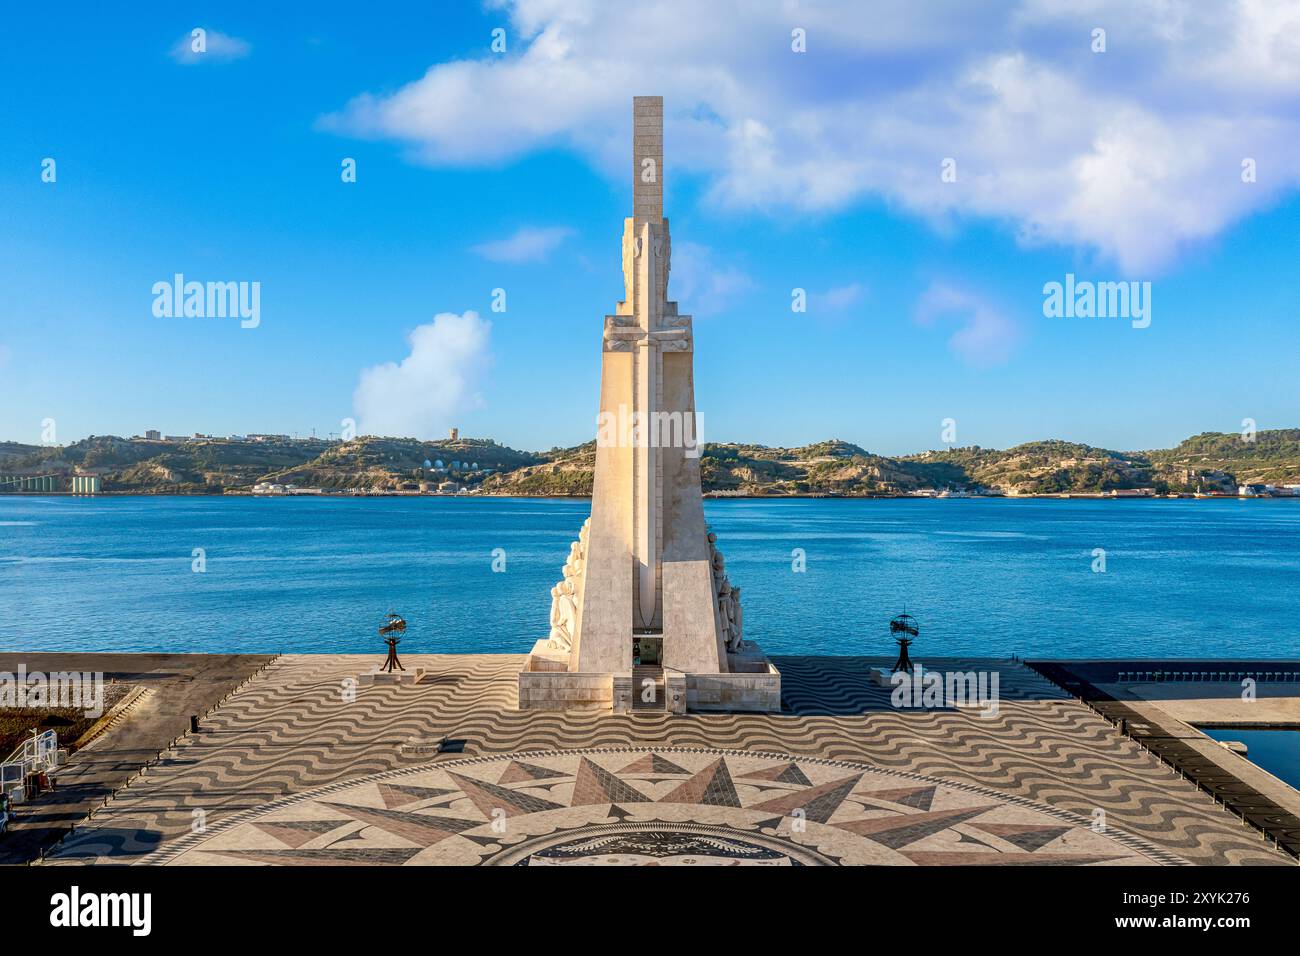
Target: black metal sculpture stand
(904,663)
(392,661)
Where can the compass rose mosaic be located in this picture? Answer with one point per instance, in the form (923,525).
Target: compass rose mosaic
(655,807)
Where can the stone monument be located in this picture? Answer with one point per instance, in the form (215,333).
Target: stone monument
(644,616)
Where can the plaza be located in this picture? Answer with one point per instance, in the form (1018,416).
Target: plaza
(302,766)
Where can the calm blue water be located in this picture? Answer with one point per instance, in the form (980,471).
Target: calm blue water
(1277,751)
(987,577)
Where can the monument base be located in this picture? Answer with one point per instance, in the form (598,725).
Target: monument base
(882,676)
(753,685)
(390,677)
(546,683)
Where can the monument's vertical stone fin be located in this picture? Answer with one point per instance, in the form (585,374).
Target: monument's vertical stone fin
(644,579)
(648,157)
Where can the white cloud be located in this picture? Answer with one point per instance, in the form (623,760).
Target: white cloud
(985,335)
(527,244)
(703,285)
(1133,153)
(213,46)
(837,299)
(420,396)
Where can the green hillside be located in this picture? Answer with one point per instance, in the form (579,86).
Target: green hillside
(1207,462)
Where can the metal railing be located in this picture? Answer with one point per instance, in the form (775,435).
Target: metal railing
(38,754)
(1198,676)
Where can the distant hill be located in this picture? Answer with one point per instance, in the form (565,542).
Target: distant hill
(1042,467)
(1272,456)
(12,451)
(558,473)
(1207,462)
(218,465)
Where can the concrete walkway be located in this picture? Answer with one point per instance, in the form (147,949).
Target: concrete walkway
(178,685)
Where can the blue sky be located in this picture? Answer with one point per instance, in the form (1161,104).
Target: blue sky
(817,170)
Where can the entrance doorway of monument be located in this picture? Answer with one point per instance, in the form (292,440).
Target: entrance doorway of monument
(647,650)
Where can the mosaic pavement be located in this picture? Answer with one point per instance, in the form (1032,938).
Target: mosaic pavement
(656,807)
(262,759)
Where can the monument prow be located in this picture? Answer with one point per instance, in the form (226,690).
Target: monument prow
(644,587)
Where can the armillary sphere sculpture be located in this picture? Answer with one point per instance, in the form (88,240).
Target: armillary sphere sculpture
(904,628)
(396,625)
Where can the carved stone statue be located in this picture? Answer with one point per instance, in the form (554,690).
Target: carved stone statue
(560,638)
(564,616)
(565,596)
(730,615)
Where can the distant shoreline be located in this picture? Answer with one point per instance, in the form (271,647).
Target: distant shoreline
(1212,464)
(708,496)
